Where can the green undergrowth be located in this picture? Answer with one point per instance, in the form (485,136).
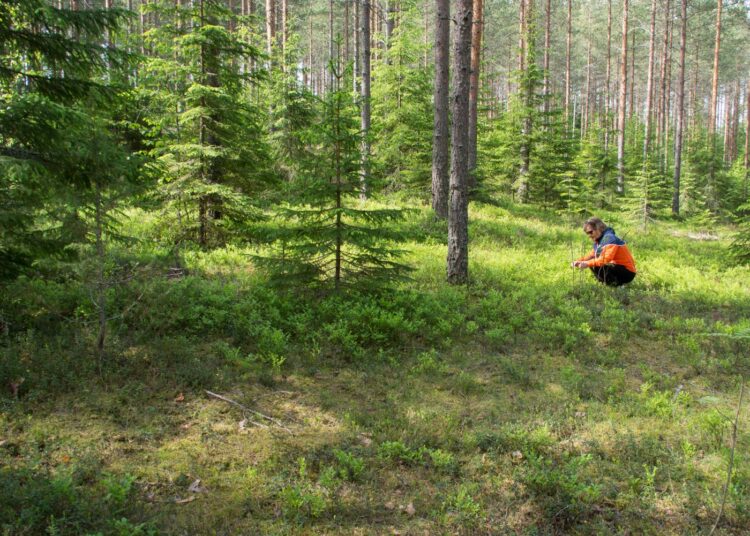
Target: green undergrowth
(532,401)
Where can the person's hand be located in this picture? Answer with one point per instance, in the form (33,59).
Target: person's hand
(579,264)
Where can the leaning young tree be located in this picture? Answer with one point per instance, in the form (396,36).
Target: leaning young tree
(458,210)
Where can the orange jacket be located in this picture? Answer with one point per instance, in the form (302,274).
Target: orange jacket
(610,249)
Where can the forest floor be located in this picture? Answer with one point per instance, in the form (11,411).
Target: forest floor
(533,401)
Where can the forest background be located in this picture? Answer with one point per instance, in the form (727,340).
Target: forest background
(223,267)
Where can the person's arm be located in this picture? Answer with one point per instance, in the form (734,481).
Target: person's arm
(579,263)
(607,257)
(589,255)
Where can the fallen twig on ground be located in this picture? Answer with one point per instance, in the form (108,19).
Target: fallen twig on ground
(250,410)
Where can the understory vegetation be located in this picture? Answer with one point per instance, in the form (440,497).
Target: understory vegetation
(531,401)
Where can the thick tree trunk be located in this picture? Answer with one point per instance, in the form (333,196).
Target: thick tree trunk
(715,78)
(441,130)
(458,214)
(365,97)
(622,102)
(680,114)
(649,83)
(476,48)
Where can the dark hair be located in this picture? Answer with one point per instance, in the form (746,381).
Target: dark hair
(595,223)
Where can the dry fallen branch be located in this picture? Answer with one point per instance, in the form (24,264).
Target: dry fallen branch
(250,410)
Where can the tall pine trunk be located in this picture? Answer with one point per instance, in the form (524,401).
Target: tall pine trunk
(476,48)
(680,114)
(458,213)
(365,96)
(545,60)
(608,82)
(715,77)
(568,45)
(270,25)
(660,121)
(526,89)
(649,84)
(441,130)
(622,102)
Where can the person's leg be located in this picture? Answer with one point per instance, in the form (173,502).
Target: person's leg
(613,275)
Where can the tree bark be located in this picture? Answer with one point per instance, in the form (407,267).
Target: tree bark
(270,25)
(663,75)
(476,48)
(526,88)
(585,119)
(631,107)
(365,97)
(747,138)
(649,84)
(620,188)
(545,60)
(441,130)
(568,44)
(458,213)
(608,83)
(715,78)
(680,113)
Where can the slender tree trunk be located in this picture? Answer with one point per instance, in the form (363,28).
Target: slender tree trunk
(331,45)
(733,150)
(365,97)
(527,92)
(660,122)
(622,102)
(747,138)
(357,41)
(631,107)
(608,84)
(476,48)
(728,100)
(668,99)
(715,78)
(568,44)
(458,214)
(585,120)
(270,25)
(390,21)
(284,32)
(649,83)
(101,283)
(680,113)
(545,60)
(346,31)
(441,131)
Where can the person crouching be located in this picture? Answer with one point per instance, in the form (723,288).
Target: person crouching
(610,261)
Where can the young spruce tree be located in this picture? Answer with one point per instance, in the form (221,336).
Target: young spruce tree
(328,237)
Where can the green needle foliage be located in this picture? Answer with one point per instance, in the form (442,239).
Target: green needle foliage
(328,240)
(402,100)
(209,144)
(53,87)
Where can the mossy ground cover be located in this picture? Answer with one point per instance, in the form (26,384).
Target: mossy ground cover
(532,401)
